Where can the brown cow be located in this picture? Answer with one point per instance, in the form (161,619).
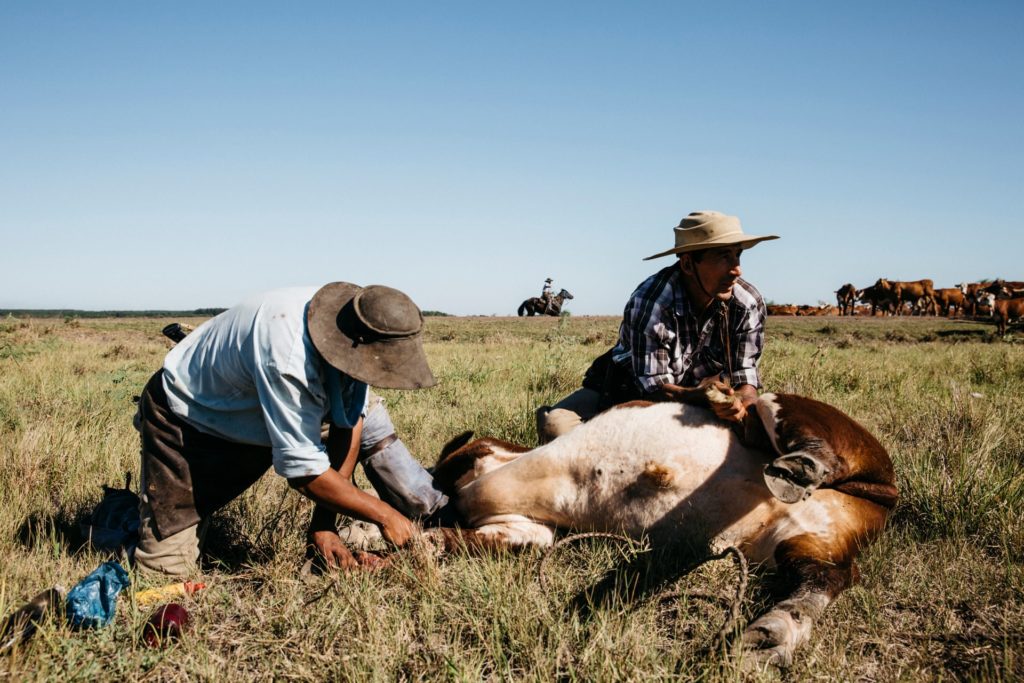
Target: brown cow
(909,293)
(946,297)
(1001,287)
(804,491)
(1005,311)
(973,292)
(880,299)
(781,309)
(846,296)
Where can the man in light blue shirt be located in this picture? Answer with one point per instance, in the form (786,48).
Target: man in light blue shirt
(253,387)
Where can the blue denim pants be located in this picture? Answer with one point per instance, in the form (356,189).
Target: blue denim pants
(398,478)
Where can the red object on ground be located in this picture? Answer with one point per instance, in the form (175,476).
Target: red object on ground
(165,624)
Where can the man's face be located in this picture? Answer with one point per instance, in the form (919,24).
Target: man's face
(717,271)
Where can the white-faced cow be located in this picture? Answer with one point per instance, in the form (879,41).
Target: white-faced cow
(810,490)
(970,291)
(846,297)
(1004,311)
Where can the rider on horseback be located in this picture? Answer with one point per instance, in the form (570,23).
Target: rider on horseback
(546,294)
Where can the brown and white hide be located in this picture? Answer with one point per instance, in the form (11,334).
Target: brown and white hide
(815,492)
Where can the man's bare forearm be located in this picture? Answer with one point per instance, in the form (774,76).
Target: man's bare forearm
(334,494)
(343,451)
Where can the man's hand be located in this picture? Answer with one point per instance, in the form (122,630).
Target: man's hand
(727,403)
(327,545)
(397,529)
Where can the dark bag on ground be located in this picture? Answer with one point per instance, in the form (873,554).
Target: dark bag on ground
(611,380)
(114,523)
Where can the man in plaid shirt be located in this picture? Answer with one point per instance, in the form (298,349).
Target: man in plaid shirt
(690,324)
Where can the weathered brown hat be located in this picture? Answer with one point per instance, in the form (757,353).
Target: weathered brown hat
(372,334)
(707,230)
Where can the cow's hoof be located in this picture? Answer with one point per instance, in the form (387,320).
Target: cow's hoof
(794,477)
(766,643)
(360,535)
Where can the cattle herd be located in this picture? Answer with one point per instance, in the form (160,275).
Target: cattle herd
(999,299)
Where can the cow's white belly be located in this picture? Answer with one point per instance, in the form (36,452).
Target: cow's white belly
(669,471)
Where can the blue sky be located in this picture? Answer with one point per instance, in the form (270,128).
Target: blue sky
(185,155)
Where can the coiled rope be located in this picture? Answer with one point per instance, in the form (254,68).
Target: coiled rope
(743,572)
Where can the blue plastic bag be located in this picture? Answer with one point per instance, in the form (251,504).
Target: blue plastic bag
(93,601)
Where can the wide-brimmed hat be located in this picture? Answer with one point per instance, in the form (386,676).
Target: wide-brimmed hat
(372,334)
(710,229)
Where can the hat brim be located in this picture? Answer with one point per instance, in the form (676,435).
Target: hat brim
(745,241)
(395,363)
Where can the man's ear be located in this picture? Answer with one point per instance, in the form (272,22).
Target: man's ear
(685,263)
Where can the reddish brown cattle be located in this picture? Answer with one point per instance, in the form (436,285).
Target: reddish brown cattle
(781,309)
(880,299)
(910,293)
(846,297)
(1001,287)
(1006,311)
(807,309)
(949,297)
(804,491)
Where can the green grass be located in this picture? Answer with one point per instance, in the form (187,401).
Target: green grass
(941,594)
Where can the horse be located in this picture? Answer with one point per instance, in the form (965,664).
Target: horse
(535,305)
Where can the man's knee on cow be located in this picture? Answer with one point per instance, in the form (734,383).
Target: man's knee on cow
(567,414)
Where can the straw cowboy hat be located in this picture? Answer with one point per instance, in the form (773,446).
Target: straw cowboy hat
(710,229)
(372,334)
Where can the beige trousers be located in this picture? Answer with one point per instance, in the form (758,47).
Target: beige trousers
(567,414)
(175,556)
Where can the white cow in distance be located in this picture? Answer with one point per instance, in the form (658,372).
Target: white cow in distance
(811,489)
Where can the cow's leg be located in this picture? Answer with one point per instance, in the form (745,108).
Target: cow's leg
(804,461)
(513,534)
(794,476)
(815,581)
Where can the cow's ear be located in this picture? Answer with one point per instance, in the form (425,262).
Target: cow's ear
(455,444)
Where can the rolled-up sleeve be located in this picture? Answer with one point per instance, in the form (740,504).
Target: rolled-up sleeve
(293,409)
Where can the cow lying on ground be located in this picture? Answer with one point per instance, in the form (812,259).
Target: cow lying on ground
(781,309)
(803,491)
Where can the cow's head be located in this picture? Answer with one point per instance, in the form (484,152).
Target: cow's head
(987,299)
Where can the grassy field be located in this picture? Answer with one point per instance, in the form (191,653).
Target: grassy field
(941,595)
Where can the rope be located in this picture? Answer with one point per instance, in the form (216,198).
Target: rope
(735,604)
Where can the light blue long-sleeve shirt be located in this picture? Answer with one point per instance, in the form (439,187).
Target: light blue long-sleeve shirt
(252,375)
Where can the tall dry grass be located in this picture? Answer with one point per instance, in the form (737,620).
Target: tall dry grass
(940,597)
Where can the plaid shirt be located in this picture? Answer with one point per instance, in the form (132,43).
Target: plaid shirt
(664,342)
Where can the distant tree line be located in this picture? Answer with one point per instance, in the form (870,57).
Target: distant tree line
(74,313)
